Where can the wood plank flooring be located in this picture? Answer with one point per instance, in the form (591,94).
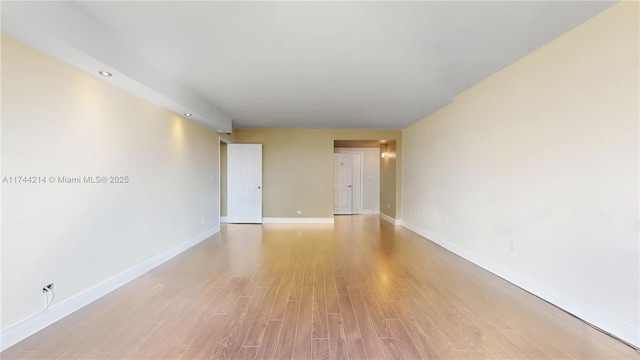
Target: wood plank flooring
(358,289)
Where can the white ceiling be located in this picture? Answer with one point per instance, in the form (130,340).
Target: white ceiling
(356,65)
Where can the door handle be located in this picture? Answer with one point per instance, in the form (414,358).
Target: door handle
(259,187)
(348,185)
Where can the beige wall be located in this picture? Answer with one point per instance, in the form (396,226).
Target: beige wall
(388,179)
(60,121)
(543,153)
(298,167)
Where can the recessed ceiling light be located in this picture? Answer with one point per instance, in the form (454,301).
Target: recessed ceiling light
(187,114)
(105,73)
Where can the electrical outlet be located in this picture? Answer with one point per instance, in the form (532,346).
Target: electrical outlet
(48,288)
(201,221)
(299,212)
(512,245)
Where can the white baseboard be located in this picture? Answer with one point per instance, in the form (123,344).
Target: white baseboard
(18,332)
(606,322)
(389,219)
(223,219)
(275,220)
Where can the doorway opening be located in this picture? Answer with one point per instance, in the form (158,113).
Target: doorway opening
(366,167)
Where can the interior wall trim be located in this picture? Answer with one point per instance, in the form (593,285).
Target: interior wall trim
(389,219)
(608,323)
(20,331)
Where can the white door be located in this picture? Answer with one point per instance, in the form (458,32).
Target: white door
(356,181)
(342,184)
(244,183)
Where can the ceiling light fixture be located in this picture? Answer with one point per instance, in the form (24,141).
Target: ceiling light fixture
(187,114)
(105,73)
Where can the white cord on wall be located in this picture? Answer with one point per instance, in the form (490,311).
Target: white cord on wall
(46,290)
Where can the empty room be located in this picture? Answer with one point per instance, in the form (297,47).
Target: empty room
(320,180)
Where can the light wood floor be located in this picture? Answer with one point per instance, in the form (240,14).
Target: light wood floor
(359,289)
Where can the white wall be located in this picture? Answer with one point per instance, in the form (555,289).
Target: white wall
(370,177)
(60,121)
(543,153)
